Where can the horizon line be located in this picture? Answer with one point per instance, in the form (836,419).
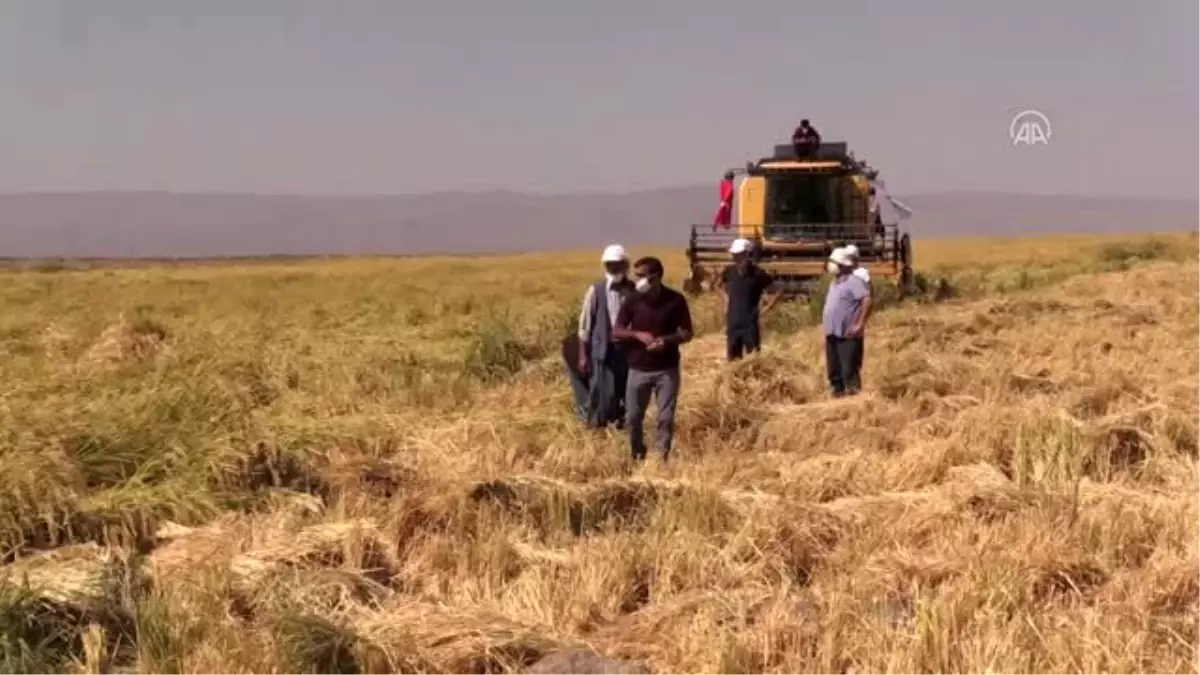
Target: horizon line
(538,194)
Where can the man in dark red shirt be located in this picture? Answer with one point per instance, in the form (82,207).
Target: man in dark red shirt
(805,140)
(651,325)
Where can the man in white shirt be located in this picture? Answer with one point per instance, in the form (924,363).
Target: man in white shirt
(599,363)
(860,272)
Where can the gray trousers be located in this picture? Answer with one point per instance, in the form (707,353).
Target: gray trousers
(664,385)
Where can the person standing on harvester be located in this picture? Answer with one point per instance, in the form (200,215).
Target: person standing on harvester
(742,288)
(599,361)
(651,325)
(724,215)
(847,305)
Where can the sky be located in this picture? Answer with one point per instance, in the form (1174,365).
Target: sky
(402,97)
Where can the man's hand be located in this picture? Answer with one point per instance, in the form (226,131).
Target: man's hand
(774,295)
(860,321)
(657,344)
(582,360)
(644,337)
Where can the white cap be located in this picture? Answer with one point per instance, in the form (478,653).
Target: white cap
(740,246)
(614,253)
(851,250)
(841,257)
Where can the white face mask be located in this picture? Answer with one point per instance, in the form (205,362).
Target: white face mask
(643,285)
(613,278)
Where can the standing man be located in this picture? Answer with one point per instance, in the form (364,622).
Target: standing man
(724,215)
(805,140)
(599,360)
(652,324)
(742,288)
(847,304)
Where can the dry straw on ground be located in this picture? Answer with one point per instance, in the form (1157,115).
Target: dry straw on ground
(328,467)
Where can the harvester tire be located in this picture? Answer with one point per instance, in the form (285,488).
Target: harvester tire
(907,285)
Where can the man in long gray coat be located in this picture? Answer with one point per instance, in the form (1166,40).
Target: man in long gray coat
(599,373)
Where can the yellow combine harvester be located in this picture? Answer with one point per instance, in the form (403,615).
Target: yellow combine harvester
(796,211)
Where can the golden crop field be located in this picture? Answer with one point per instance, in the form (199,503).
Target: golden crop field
(372,465)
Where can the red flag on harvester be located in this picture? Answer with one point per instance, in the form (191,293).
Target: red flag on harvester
(724,215)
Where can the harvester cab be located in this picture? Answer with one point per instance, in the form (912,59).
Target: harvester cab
(796,212)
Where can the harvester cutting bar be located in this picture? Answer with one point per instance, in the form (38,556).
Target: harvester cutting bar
(797,241)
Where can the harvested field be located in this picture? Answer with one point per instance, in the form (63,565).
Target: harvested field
(372,466)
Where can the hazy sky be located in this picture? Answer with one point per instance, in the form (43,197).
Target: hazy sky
(399,96)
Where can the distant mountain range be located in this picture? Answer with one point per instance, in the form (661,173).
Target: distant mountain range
(168,225)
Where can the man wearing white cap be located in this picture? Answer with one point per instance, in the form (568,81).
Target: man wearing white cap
(847,304)
(599,362)
(742,287)
(859,271)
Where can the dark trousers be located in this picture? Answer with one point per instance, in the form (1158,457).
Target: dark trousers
(843,361)
(580,390)
(664,385)
(606,390)
(740,341)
